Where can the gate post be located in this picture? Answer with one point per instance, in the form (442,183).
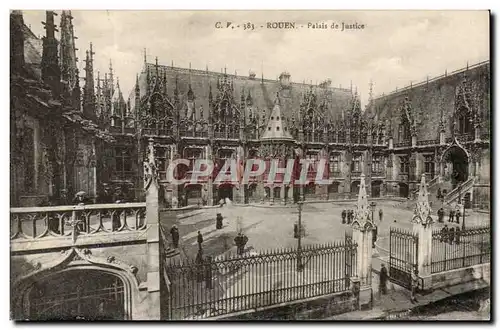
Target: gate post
(422,227)
(151,186)
(362,234)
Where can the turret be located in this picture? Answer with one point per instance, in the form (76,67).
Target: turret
(16,41)
(68,60)
(88,89)
(51,74)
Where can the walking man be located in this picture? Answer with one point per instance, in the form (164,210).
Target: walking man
(457,215)
(380,214)
(383,280)
(200,240)
(175,236)
(344,214)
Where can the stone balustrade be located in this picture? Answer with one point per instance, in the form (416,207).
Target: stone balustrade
(37,222)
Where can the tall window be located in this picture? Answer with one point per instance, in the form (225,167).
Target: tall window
(335,164)
(377,164)
(356,163)
(429,165)
(123,160)
(405,164)
(464,122)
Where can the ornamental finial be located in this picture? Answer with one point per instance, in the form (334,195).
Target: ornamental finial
(422,213)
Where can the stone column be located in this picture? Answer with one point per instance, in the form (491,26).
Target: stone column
(422,226)
(151,186)
(282,192)
(271,194)
(362,233)
(391,143)
(413,141)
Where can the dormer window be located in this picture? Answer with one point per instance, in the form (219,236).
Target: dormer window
(277,128)
(269,128)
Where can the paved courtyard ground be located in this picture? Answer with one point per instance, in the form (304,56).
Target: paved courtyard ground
(270,228)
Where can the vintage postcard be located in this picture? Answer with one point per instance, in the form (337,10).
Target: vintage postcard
(250,165)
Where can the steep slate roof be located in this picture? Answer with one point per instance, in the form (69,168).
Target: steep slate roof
(262,91)
(276,126)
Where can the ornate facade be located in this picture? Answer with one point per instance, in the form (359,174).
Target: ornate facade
(55,142)
(439,127)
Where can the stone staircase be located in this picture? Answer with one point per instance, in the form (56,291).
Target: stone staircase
(460,190)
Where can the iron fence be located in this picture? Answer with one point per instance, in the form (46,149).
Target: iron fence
(209,287)
(403,256)
(460,248)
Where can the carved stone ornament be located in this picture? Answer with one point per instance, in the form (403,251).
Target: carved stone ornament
(362,219)
(150,172)
(422,213)
(77,256)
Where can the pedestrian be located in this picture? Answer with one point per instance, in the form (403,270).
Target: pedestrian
(439,193)
(451,235)
(344,215)
(295,230)
(383,279)
(238,240)
(414,284)
(374,236)
(349,217)
(200,240)
(218,219)
(457,215)
(440,215)
(380,214)
(444,233)
(452,214)
(175,236)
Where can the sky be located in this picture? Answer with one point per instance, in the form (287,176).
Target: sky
(394,49)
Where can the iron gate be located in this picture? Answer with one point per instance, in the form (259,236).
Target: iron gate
(403,256)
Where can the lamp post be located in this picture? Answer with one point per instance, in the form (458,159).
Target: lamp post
(463,215)
(373,205)
(299,239)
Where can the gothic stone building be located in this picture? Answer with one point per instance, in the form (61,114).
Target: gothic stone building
(440,127)
(55,142)
(199,114)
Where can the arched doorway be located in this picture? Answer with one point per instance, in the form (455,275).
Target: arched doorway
(376,188)
(84,294)
(224,191)
(355,188)
(456,165)
(403,190)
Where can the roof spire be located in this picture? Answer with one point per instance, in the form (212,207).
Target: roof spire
(145,58)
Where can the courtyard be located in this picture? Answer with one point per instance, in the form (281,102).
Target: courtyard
(271,227)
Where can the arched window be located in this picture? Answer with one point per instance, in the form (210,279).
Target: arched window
(78,295)
(464,122)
